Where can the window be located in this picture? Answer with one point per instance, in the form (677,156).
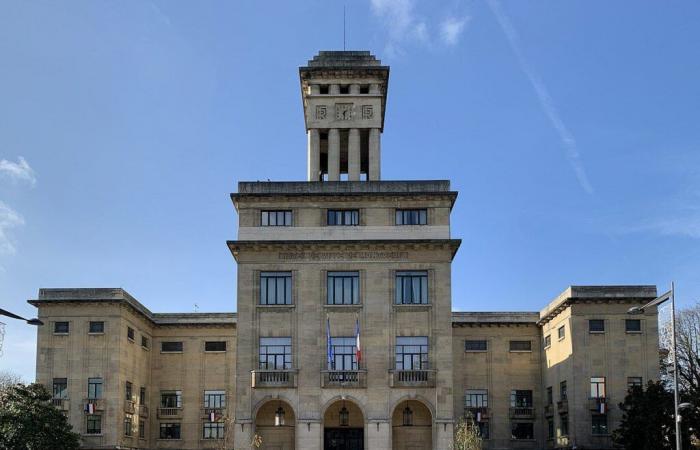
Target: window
(170,431)
(213,430)
(520,399)
(483,429)
(142,429)
(96,327)
(364,89)
(520,346)
(128,419)
(344,89)
(275,353)
(634,382)
(215,346)
(60,327)
(60,388)
(522,430)
(599,424)
(475,346)
(144,342)
(323,89)
(412,288)
(128,391)
(343,217)
(476,398)
(344,353)
(550,396)
(171,399)
(275,288)
(171,347)
(276,218)
(561,332)
(596,326)
(142,396)
(411,352)
(550,428)
(633,326)
(564,419)
(94,388)
(597,387)
(562,391)
(130,333)
(94,424)
(214,399)
(411,216)
(407,417)
(343,288)
(547,341)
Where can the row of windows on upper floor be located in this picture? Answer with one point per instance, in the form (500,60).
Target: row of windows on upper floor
(596,326)
(342,217)
(343,288)
(343,89)
(168,430)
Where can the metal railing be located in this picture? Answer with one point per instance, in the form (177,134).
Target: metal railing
(143,410)
(477,413)
(598,403)
(522,412)
(549,410)
(412,378)
(98,403)
(562,406)
(61,403)
(172,413)
(273,378)
(344,378)
(129,406)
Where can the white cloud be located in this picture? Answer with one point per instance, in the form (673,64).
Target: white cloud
(451,29)
(19,171)
(9,218)
(546,101)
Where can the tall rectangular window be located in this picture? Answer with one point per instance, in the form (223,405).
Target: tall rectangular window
(275,353)
(596,326)
(144,342)
(520,346)
(275,288)
(411,216)
(213,430)
(343,217)
(475,346)
(412,287)
(550,396)
(128,391)
(96,327)
(476,398)
(521,399)
(599,424)
(61,327)
(411,352)
(142,396)
(130,333)
(94,388)
(522,430)
(60,388)
(564,421)
(171,347)
(547,341)
(343,288)
(171,399)
(633,326)
(128,421)
(597,387)
(550,428)
(561,332)
(94,424)
(169,431)
(214,399)
(142,429)
(344,356)
(276,218)
(563,395)
(215,346)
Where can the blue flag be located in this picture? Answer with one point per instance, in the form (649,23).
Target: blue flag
(329,347)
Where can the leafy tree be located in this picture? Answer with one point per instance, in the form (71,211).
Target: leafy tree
(466,435)
(647,420)
(29,421)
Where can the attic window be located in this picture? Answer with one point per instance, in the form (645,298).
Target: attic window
(344,89)
(323,89)
(364,89)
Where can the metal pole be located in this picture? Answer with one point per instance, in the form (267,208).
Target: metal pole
(677,417)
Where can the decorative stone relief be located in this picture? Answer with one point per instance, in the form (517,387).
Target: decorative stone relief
(321,111)
(343,111)
(367,112)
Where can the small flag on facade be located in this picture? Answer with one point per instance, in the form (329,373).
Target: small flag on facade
(358,348)
(602,406)
(478,416)
(329,347)
(212,416)
(90,408)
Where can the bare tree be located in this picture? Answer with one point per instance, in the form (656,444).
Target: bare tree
(8,379)
(466,434)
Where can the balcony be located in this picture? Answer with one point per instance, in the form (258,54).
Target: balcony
(273,378)
(563,406)
(62,404)
(143,411)
(98,402)
(478,414)
(599,404)
(412,378)
(169,413)
(549,410)
(129,407)
(218,413)
(344,378)
(522,412)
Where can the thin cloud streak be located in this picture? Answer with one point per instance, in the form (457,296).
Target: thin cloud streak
(9,218)
(546,101)
(452,28)
(19,171)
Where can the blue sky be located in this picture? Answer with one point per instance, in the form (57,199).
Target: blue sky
(570,130)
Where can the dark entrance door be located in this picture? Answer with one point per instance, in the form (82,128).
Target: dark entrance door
(343,439)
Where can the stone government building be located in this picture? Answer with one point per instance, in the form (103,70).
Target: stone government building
(319,261)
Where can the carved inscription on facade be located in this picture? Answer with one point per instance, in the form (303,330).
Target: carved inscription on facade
(367,112)
(343,111)
(342,256)
(321,111)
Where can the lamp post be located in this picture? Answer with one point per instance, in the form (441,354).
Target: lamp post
(34,321)
(670,295)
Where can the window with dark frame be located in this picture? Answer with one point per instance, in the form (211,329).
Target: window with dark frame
(412,353)
(215,346)
(337,217)
(344,353)
(476,398)
(563,395)
(550,428)
(412,287)
(94,424)
(130,333)
(276,218)
(169,431)
(411,216)
(550,396)
(520,398)
(547,341)
(364,89)
(144,342)
(214,399)
(483,429)
(564,422)
(142,396)
(475,346)
(323,89)
(142,429)
(275,288)
(596,326)
(561,332)
(343,288)
(128,391)
(520,346)
(60,388)
(597,387)
(61,327)
(128,422)
(599,424)
(522,430)
(275,353)
(171,347)
(94,388)
(213,430)
(96,327)
(344,89)
(633,326)
(171,399)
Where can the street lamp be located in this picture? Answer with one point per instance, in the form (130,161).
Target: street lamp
(670,295)
(33,321)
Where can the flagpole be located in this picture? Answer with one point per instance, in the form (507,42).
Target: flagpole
(677,417)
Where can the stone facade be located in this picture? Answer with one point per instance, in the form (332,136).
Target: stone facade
(325,263)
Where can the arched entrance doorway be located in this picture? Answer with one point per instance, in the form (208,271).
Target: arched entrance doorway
(411,426)
(275,423)
(343,426)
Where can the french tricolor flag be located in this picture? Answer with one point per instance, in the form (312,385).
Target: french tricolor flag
(90,408)
(358,348)
(212,416)
(602,406)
